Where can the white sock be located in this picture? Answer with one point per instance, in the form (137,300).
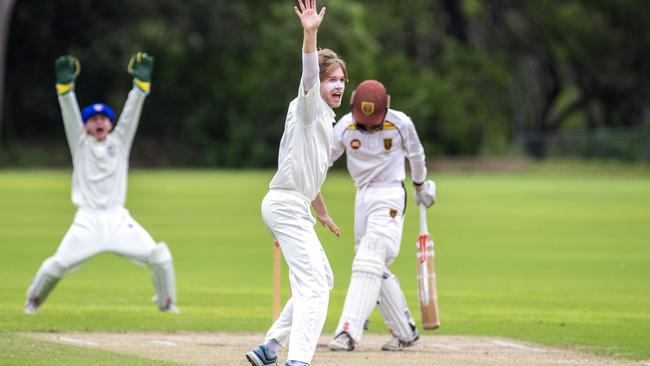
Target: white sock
(297,363)
(343,336)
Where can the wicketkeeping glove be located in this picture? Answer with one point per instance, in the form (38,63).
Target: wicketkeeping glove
(66,69)
(141,67)
(426,194)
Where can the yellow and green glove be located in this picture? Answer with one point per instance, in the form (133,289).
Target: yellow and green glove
(66,69)
(141,67)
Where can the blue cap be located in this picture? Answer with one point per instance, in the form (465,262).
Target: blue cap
(95,109)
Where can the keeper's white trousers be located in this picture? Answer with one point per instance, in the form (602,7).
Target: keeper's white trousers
(300,324)
(98,231)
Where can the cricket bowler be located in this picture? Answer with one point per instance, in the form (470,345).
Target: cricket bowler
(303,161)
(376,140)
(100,150)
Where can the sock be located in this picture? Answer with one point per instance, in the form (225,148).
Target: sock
(297,363)
(343,336)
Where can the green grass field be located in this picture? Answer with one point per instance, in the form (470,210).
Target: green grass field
(556,256)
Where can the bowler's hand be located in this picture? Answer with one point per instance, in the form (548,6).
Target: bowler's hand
(309,17)
(330,224)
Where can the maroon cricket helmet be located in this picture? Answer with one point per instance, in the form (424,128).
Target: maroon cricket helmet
(370,103)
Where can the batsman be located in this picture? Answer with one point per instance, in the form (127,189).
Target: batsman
(376,140)
(100,157)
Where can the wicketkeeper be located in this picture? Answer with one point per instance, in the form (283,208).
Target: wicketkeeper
(100,150)
(376,140)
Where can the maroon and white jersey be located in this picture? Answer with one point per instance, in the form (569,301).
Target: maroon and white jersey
(378,156)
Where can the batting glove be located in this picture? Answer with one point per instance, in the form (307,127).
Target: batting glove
(141,67)
(425,194)
(66,69)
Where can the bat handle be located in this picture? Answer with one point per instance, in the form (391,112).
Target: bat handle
(424,228)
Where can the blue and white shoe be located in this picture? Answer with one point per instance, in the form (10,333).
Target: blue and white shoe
(259,356)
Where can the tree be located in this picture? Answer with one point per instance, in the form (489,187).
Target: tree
(574,58)
(6,6)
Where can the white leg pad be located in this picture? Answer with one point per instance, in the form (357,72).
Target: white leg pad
(163,277)
(48,275)
(393,308)
(367,269)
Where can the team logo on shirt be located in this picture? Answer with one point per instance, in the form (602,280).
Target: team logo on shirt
(367,108)
(355,144)
(393,213)
(388,143)
(110,149)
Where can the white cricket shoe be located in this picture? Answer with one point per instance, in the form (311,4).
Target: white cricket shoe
(342,342)
(170,306)
(31,306)
(172,309)
(260,356)
(396,344)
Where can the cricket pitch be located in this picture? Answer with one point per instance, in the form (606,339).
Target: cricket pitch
(229,348)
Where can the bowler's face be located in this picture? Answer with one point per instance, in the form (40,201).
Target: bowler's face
(99,126)
(332,88)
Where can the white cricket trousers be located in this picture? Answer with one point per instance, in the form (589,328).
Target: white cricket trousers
(379,208)
(300,324)
(97,231)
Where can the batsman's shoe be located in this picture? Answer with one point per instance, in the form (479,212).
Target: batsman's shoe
(259,356)
(31,306)
(396,344)
(172,309)
(341,342)
(169,307)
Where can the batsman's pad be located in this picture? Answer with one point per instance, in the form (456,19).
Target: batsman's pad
(367,269)
(163,277)
(46,278)
(393,308)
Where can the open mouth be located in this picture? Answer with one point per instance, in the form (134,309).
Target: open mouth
(99,130)
(337,96)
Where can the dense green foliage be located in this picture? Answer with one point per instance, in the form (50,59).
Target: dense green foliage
(476,77)
(549,255)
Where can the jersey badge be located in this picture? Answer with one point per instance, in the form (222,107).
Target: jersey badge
(355,144)
(393,213)
(388,143)
(110,149)
(367,108)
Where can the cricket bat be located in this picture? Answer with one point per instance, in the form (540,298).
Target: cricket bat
(427,291)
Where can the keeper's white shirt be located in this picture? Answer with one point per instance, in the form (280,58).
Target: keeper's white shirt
(305,148)
(378,157)
(100,168)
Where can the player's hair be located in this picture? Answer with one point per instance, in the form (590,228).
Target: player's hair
(329,60)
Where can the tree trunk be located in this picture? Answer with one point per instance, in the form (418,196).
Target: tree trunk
(5,17)
(457,23)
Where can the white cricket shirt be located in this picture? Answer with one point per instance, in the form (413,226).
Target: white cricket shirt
(305,148)
(378,156)
(100,168)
